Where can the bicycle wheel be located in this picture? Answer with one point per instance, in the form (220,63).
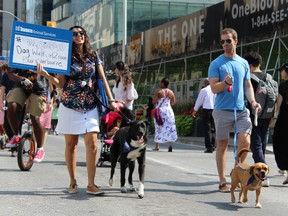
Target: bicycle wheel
(26,152)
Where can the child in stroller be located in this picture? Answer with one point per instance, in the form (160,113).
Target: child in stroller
(110,124)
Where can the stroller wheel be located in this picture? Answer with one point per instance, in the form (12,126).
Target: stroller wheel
(100,164)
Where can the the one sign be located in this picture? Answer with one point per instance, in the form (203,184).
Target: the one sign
(32,44)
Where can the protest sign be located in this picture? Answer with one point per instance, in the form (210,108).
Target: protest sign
(32,44)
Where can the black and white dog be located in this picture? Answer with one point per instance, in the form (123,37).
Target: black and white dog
(130,144)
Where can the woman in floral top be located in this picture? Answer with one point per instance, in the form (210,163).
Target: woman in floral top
(78,113)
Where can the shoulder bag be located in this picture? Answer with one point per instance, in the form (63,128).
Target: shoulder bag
(156,113)
(101,97)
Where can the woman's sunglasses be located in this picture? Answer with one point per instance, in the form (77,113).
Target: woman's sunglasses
(75,34)
(228,41)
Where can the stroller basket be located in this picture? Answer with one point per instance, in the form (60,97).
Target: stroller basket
(108,125)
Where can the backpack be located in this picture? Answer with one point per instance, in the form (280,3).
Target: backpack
(266,95)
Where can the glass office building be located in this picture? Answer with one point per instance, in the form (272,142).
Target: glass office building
(104,20)
(179,39)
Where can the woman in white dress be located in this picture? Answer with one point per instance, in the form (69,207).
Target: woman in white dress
(124,90)
(164,98)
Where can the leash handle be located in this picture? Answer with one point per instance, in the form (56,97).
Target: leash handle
(256,117)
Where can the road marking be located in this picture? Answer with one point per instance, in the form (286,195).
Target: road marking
(168,164)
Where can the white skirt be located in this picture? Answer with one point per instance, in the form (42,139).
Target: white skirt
(75,122)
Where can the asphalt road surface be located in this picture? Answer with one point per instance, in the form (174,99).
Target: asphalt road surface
(182,182)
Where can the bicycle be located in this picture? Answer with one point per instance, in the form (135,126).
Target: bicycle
(26,149)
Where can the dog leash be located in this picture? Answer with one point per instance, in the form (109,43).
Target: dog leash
(235,133)
(85,85)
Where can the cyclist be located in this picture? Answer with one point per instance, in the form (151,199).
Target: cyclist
(6,85)
(32,88)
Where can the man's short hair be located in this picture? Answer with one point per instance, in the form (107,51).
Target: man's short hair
(230,31)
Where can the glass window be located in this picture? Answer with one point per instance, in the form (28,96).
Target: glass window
(138,16)
(160,13)
(178,10)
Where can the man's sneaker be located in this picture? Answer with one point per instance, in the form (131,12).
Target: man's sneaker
(13,142)
(39,155)
(266,183)
(224,188)
(95,190)
(282,172)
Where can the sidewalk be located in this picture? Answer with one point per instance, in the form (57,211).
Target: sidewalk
(200,141)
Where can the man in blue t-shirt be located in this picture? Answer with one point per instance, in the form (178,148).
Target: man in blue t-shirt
(229,77)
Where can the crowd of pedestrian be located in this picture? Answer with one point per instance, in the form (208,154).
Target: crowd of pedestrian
(227,99)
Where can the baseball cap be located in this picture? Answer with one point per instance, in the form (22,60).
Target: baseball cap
(284,66)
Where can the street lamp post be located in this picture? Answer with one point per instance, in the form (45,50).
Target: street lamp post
(4,48)
(124,31)
(2,39)
(8,12)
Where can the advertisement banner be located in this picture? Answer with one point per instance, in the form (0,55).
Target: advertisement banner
(111,54)
(32,44)
(134,50)
(255,19)
(199,32)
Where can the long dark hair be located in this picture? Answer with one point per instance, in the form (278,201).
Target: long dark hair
(87,49)
(125,73)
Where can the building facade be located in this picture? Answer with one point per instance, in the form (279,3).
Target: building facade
(31,11)
(183,48)
(9,11)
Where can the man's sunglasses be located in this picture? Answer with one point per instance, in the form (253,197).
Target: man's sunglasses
(75,34)
(228,41)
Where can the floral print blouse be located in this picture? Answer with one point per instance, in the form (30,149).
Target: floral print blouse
(74,96)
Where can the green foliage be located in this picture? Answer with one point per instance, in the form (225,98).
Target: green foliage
(183,106)
(184,125)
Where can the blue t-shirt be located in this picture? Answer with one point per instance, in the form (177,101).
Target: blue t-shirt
(238,69)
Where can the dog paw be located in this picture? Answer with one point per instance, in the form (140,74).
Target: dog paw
(141,190)
(123,189)
(110,182)
(258,205)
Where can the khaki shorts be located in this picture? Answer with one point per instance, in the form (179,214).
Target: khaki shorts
(36,103)
(225,122)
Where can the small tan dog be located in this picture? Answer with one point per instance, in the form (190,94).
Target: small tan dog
(250,177)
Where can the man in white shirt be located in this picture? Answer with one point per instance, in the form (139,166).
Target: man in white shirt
(206,99)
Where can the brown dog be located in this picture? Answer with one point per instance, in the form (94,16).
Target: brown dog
(250,177)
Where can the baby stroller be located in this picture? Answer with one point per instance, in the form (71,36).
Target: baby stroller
(110,123)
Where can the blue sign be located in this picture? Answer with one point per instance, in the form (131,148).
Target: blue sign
(2,58)
(32,44)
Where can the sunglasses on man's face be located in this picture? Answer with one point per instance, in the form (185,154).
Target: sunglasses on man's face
(228,41)
(75,34)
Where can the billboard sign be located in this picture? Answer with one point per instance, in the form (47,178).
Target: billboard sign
(32,44)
